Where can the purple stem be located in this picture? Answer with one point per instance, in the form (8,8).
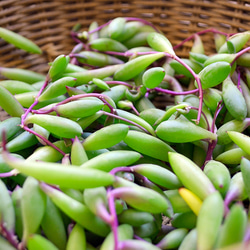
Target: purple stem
(247,234)
(103,214)
(126,120)
(128,53)
(175,85)
(70,227)
(77,56)
(239,54)
(99,27)
(114,223)
(74,61)
(210,150)
(76,97)
(42,112)
(135,110)
(212,144)
(110,106)
(130,105)
(179,76)
(166,91)
(44,139)
(115,53)
(138,238)
(35,102)
(200,33)
(101,97)
(13,172)
(247,120)
(217,111)
(12,239)
(77,48)
(238,82)
(194,108)
(120,169)
(196,77)
(74,36)
(230,196)
(144,181)
(48,187)
(66,159)
(143,21)
(30,109)
(120,83)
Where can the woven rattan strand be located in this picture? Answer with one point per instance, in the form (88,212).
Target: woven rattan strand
(48,23)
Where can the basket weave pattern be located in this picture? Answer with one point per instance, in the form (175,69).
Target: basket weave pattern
(48,23)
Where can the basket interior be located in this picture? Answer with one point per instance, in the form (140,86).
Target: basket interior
(48,23)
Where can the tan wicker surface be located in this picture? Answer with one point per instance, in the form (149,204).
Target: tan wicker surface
(48,22)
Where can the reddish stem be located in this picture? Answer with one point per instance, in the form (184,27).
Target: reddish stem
(99,27)
(9,236)
(210,150)
(126,120)
(196,77)
(217,111)
(120,83)
(135,110)
(212,144)
(194,108)
(171,92)
(13,172)
(240,53)
(103,214)
(76,97)
(120,169)
(200,33)
(114,220)
(143,21)
(35,102)
(44,139)
(238,82)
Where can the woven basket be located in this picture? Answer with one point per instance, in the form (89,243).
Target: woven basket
(48,23)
